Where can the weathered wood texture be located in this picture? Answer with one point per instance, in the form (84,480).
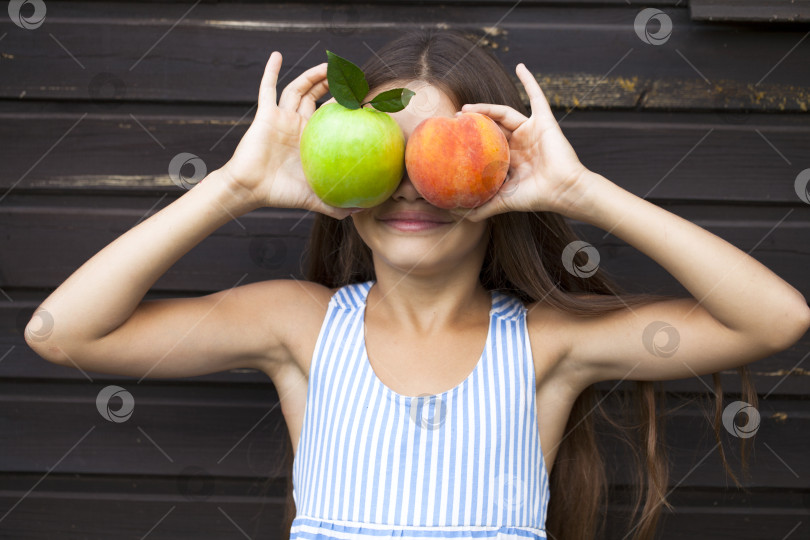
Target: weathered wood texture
(747,10)
(711,125)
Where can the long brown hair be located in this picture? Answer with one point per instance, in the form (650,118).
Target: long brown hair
(524,259)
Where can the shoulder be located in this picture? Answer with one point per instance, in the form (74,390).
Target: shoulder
(552,331)
(294,310)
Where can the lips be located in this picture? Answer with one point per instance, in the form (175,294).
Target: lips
(412,215)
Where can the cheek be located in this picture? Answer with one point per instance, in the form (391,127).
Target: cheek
(362,224)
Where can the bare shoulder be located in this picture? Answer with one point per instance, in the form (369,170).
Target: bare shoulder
(551,331)
(296,309)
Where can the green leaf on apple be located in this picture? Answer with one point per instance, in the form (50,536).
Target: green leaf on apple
(348,85)
(392,100)
(347,82)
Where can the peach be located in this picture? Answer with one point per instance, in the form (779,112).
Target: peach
(457,162)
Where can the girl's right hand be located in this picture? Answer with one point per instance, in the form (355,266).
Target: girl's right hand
(266,163)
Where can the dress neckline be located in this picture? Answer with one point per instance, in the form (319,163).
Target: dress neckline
(460,387)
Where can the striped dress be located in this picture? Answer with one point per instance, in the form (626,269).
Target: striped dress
(466,463)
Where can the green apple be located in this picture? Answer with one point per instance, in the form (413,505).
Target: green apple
(352,157)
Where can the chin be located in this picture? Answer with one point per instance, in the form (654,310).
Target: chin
(414,263)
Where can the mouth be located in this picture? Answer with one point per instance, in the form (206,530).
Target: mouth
(411,221)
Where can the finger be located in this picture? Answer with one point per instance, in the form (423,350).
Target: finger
(537,98)
(309,101)
(471,108)
(292,94)
(267,88)
(504,115)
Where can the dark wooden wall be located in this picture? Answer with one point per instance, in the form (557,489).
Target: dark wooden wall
(712,125)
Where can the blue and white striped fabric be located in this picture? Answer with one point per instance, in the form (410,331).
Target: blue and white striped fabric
(466,463)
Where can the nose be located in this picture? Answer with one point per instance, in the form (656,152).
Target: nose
(405,190)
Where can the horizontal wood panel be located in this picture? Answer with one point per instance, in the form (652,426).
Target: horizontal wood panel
(716,157)
(772,11)
(120,52)
(262,244)
(240,432)
(86,514)
(94,508)
(270,244)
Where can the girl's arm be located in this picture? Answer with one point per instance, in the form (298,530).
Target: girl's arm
(740,310)
(97,319)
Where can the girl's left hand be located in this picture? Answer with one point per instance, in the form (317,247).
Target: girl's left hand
(543,165)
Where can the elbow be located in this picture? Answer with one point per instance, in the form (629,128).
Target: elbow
(790,328)
(38,338)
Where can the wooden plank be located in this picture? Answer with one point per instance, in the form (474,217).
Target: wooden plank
(116,56)
(45,516)
(271,246)
(773,11)
(99,508)
(87,514)
(265,244)
(227,431)
(239,432)
(724,157)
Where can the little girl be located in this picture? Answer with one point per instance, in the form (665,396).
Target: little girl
(436,364)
